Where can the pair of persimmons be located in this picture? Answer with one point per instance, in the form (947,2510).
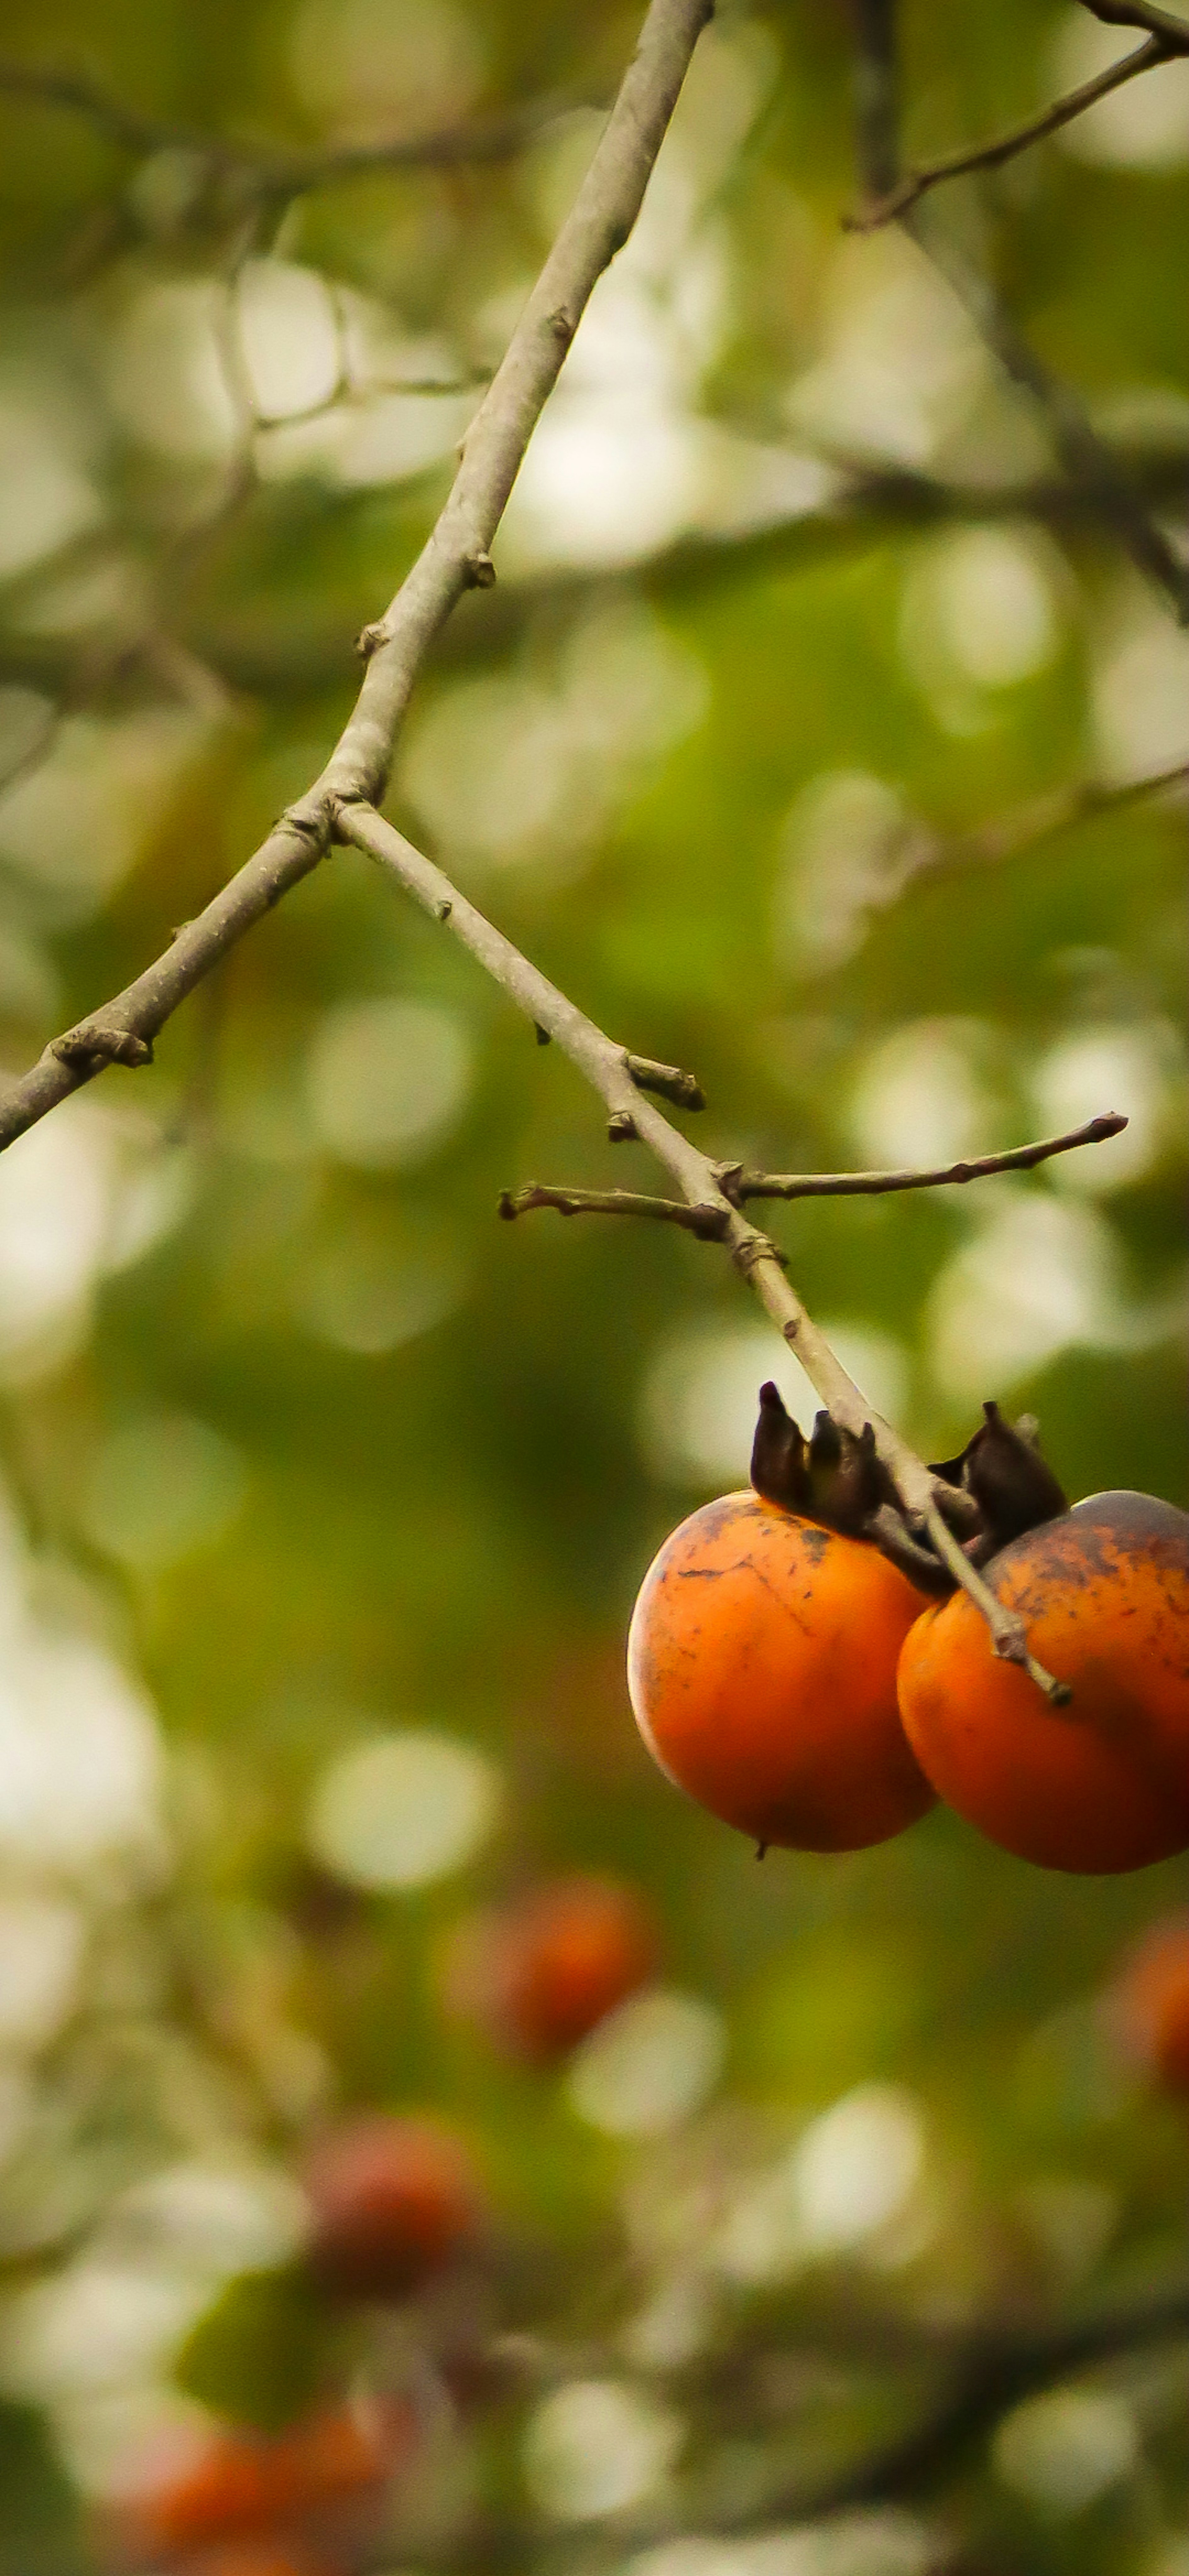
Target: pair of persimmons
(798,1683)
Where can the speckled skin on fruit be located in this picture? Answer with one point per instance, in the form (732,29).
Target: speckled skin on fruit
(761,1666)
(1102,1784)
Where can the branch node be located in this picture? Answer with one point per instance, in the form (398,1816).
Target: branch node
(622,1128)
(443,910)
(543,1037)
(370,638)
(562,325)
(683,1089)
(93,1044)
(728,1177)
(757,1248)
(479,572)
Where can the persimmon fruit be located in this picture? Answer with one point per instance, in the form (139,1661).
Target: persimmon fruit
(762,1671)
(1101,1784)
(242,2488)
(391,2201)
(1151,2004)
(539,1973)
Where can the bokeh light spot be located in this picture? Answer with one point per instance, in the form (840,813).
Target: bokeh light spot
(160,1488)
(596,2446)
(649,2065)
(387,1080)
(403,1810)
(1064,2449)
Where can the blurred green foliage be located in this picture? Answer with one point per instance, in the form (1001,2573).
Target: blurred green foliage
(301,1438)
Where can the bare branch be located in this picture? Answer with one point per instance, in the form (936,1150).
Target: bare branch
(667,1080)
(277,173)
(1085,456)
(991,156)
(848,1185)
(705,1187)
(1029,826)
(709,1222)
(598,224)
(1139,13)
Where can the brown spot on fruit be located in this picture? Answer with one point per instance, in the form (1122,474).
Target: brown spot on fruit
(769,1694)
(1103,1784)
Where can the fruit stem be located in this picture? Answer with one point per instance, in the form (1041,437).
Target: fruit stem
(1009,1637)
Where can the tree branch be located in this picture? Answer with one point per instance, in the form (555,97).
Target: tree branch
(1029,826)
(277,173)
(705,1186)
(1085,456)
(846,1185)
(991,156)
(709,1222)
(456,554)
(1139,13)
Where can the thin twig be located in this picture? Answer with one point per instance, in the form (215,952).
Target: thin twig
(1004,147)
(1030,826)
(456,553)
(848,1185)
(709,1222)
(279,173)
(1085,456)
(1009,1636)
(704,1184)
(738,1185)
(667,1080)
(1139,13)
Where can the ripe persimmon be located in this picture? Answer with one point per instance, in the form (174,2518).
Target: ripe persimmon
(540,1972)
(1101,1784)
(1151,2004)
(391,2200)
(253,2489)
(762,1671)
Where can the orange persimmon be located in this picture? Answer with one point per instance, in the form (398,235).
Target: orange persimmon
(1101,1784)
(1151,2004)
(762,1671)
(391,2200)
(234,2487)
(538,1973)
